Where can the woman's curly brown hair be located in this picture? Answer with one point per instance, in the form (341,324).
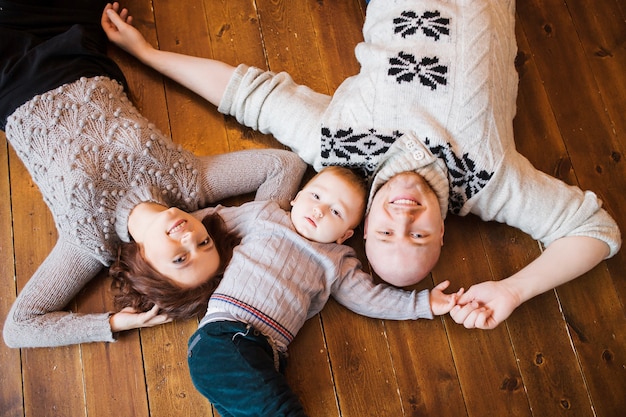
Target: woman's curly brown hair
(140,286)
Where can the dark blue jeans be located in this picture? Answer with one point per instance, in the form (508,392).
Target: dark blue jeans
(234,367)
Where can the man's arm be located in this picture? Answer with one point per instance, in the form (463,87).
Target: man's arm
(206,77)
(487,304)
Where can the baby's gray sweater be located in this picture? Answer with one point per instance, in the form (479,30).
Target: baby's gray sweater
(436,94)
(94,158)
(277,279)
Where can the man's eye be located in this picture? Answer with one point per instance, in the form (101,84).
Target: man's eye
(417,235)
(384,233)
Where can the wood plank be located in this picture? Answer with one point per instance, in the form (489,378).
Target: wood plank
(114,382)
(548,365)
(557,50)
(485,356)
(362,368)
(195,123)
(170,389)
(235,38)
(424,367)
(11,396)
(602,30)
(308,371)
(338,29)
(46,369)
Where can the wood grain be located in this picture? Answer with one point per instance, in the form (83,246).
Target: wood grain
(561,354)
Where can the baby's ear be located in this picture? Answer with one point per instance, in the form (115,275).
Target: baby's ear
(292,202)
(345,236)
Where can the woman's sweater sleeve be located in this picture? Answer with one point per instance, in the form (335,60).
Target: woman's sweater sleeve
(274,103)
(38,317)
(272,174)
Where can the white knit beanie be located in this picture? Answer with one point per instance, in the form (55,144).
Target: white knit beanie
(399,159)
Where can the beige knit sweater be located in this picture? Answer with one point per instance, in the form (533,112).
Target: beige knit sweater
(94,158)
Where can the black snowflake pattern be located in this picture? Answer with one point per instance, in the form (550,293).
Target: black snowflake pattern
(428,70)
(358,151)
(465,180)
(430,23)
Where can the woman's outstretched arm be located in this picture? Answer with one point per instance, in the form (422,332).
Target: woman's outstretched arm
(206,77)
(40,316)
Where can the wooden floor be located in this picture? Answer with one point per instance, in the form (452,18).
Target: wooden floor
(561,354)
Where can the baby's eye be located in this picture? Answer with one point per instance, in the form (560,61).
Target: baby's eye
(315,196)
(336,213)
(180,259)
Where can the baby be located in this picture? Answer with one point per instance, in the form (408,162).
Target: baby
(284,270)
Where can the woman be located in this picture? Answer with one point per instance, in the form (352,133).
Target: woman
(107,174)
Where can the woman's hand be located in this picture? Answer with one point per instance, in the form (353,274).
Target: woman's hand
(128,319)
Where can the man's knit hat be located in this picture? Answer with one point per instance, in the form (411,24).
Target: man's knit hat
(400,159)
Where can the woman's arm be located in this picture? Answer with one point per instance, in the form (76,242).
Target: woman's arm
(272,174)
(267,102)
(40,316)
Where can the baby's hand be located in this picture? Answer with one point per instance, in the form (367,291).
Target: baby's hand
(440,302)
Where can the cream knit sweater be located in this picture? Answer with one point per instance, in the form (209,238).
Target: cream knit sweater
(436,94)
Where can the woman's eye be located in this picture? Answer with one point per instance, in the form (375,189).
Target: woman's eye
(205,241)
(180,259)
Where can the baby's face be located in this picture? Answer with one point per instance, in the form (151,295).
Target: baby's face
(327,209)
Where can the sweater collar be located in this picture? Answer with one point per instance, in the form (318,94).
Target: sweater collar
(129,201)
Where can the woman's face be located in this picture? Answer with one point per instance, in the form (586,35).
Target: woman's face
(178,245)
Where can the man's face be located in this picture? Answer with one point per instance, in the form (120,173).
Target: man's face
(404,230)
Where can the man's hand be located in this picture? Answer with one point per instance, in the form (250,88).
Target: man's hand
(485,305)
(118,27)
